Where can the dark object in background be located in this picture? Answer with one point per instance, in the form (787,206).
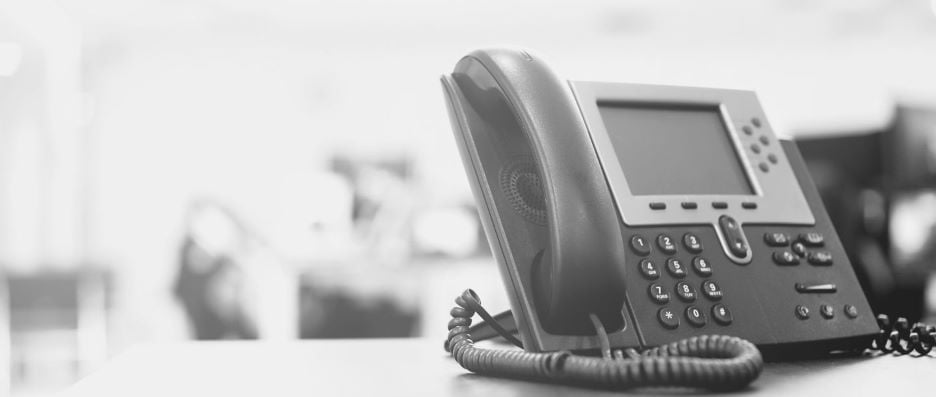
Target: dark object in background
(863,176)
(333,314)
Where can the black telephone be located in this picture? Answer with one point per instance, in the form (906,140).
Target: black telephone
(628,216)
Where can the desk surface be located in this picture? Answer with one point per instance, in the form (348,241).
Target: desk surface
(418,367)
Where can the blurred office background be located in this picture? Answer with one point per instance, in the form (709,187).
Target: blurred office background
(282,169)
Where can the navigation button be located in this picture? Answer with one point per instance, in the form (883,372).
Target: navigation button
(734,238)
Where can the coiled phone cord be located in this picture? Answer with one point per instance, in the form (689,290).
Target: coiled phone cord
(713,362)
(901,338)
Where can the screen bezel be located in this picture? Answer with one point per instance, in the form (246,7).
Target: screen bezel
(777,194)
(749,181)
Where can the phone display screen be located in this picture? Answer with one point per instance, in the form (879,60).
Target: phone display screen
(671,150)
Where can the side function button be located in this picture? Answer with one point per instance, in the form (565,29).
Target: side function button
(772,158)
(719,205)
(689,205)
(747,130)
(756,121)
(639,245)
(764,140)
(777,239)
(667,318)
(695,316)
(820,258)
(649,269)
(827,311)
(851,311)
(711,290)
(799,249)
(675,268)
(685,292)
(666,244)
(763,167)
(658,294)
(702,266)
(755,148)
(785,258)
(812,239)
(804,288)
(721,314)
(657,205)
(692,243)
(734,237)
(802,312)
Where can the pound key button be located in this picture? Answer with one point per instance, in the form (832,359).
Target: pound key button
(721,314)
(711,290)
(695,316)
(639,245)
(668,318)
(702,266)
(649,269)
(785,258)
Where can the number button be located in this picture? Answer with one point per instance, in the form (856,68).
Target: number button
(668,318)
(685,292)
(675,268)
(692,243)
(666,244)
(702,266)
(639,245)
(721,314)
(658,294)
(711,290)
(649,270)
(695,316)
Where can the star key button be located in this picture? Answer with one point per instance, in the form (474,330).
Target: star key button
(668,318)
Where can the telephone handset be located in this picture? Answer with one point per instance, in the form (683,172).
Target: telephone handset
(628,216)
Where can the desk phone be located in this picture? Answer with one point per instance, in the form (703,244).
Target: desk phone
(630,216)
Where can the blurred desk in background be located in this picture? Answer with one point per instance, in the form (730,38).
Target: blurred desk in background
(419,367)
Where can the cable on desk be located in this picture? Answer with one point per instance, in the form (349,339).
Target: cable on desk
(901,338)
(713,362)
